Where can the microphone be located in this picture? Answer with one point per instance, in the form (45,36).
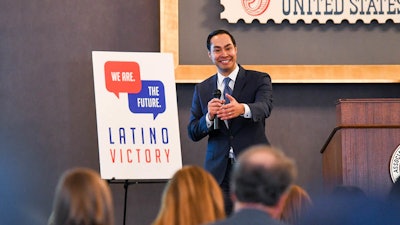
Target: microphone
(216,94)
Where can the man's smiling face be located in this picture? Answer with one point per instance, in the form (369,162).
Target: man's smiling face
(223,53)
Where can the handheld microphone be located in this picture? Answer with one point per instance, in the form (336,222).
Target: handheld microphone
(216,94)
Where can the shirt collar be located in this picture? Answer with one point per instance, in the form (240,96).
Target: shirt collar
(232,75)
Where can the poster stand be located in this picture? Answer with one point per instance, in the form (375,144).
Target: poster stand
(126,185)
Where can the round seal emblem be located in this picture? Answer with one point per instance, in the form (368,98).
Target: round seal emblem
(255,7)
(395,164)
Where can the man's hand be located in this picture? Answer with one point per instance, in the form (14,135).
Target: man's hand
(231,110)
(213,106)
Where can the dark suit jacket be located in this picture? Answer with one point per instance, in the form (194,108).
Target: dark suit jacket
(251,87)
(249,216)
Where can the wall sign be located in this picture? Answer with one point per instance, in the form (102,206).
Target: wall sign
(310,10)
(308,73)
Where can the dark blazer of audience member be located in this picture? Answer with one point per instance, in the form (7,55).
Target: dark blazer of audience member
(297,204)
(191,197)
(260,183)
(82,198)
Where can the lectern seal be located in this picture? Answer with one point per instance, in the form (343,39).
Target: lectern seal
(394,167)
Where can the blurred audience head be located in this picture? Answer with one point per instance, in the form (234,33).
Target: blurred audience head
(297,204)
(82,198)
(191,197)
(349,205)
(262,176)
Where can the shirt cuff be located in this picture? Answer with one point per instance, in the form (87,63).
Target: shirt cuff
(247,112)
(208,121)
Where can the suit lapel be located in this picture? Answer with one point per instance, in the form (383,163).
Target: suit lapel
(237,89)
(239,82)
(213,85)
(209,88)
(215,80)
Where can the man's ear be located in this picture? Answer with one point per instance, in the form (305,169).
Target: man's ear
(209,54)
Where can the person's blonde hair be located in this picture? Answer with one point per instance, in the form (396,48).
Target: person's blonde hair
(191,197)
(82,198)
(296,205)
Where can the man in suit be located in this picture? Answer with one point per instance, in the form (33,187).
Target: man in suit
(260,184)
(233,120)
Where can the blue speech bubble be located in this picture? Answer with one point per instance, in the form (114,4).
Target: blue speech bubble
(151,99)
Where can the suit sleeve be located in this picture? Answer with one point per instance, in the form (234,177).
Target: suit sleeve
(262,106)
(197,127)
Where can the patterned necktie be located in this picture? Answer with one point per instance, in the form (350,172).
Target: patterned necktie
(227,89)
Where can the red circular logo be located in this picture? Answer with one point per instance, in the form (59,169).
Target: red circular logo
(255,7)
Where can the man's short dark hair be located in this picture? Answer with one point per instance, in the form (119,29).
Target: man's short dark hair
(265,184)
(217,32)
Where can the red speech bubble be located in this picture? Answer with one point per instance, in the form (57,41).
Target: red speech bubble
(122,77)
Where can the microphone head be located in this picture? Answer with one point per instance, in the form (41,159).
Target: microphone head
(217,93)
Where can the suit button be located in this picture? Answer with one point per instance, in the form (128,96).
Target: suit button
(231,137)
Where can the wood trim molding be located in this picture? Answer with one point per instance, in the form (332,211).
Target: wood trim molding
(169,43)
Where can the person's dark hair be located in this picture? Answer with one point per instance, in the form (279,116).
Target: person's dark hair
(218,32)
(256,184)
(262,183)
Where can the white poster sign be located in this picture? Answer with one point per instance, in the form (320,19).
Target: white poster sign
(137,115)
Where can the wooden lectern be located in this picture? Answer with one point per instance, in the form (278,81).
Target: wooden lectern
(358,151)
